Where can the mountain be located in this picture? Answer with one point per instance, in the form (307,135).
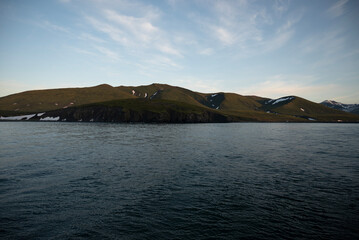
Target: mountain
(161,103)
(351,108)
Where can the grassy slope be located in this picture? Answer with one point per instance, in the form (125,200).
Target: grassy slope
(231,101)
(237,102)
(239,108)
(168,92)
(313,110)
(45,100)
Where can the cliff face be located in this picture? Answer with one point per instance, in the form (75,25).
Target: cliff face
(120,114)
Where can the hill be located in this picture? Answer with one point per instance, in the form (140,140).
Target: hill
(161,103)
(351,108)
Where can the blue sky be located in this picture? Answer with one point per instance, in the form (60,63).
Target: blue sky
(307,48)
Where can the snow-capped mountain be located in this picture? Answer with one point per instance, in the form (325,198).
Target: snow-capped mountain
(352,108)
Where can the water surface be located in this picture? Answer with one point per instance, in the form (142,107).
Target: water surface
(179,181)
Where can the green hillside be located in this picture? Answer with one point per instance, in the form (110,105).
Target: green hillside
(45,100)
(161,97)
(306,109)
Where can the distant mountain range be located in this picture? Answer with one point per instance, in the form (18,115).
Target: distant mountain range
(351,108)
(161,103)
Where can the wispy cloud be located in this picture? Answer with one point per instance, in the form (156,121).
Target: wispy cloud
(82,51)
(324,47)
(113,32)
(162,62)
(224,35)
(281,6)
(90,37)
(53,27)
(107,52)
(134,33)
(168,49)
(337,9)
(247,27)
(206,51)
(140,28)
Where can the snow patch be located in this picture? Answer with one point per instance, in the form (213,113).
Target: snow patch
(40,114)
(154,95)
(213,95)
(17,118)
(50,119)
(133,92)
(312,119)
(302,109)
(275,101)
(145,95)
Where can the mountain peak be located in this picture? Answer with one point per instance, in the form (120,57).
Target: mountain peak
(351,108)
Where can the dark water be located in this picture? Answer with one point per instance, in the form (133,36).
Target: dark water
(194,181)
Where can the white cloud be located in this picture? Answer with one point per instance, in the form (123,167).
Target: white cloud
(337,9)
(225,36)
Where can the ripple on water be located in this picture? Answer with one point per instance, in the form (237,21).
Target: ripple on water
(192,181)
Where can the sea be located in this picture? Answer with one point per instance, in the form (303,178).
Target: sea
(63,180)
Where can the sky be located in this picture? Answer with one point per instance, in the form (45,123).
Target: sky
(268,48)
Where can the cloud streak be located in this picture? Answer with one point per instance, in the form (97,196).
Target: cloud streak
(141,29)
(108,53)
(337,9)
